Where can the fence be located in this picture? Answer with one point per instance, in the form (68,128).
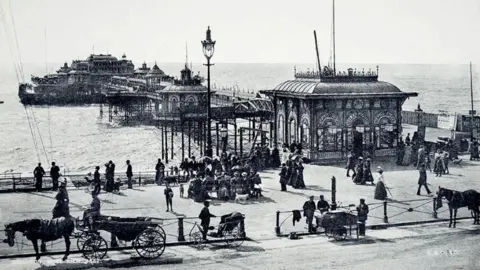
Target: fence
(412,118)
(409,212)
(13,182)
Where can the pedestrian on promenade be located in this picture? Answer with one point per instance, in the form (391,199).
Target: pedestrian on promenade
(362,213)
(380,188)
(110,175)
(446,158)
(323,205)
(407,140)
(38,173)
(205,219)
(439,165)
(96,180)
(129,174)
(284,177)
(54,174)
(62,209)
(422,180)
(168,197)
(350,163)
(308,211)
(160,169)
(421,156)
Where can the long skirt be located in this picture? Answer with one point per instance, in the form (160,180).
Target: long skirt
(380,191)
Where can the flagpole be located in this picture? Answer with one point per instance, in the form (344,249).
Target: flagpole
(471,99)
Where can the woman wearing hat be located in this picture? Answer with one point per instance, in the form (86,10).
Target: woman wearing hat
(62,208)
(380,188)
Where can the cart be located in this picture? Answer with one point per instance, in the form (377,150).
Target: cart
(231,229)
(339,223)
(147,236)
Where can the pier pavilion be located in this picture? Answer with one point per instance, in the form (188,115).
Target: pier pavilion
(331,114)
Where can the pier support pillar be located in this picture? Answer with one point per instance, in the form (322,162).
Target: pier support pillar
(216,133)
(241,144)
(253,126)
(163,150)
(166,143)
(171,139)
(189,139)
(183,142)
(235,136)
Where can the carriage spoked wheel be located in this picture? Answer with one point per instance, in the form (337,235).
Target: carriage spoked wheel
(95,247)
(234,237)
(339,233)
(150,243)
(161,231)
(197,239)
(81,238)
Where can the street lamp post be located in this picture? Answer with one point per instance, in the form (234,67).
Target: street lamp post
(420,127)
(208,50)
(224,133)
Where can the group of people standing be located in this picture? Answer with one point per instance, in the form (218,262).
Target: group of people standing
(292,175)
(362,172)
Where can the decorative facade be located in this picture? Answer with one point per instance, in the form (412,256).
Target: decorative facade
(333,114)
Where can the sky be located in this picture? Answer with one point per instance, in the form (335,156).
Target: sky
(246,31)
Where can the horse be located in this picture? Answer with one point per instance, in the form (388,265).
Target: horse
(44,230)
(456,199)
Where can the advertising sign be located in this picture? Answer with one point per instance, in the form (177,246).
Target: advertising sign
(447,120)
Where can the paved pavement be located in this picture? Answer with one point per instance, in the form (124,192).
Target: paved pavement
(432,246)
(260,215)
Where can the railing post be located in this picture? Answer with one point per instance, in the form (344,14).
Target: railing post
(435,214)
(181,237)
(14,187)
(385,216)
(139,179)
(277,223)
(334,191)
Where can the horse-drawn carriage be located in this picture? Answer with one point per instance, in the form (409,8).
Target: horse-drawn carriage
(339,223)
(147,236)
(231,229)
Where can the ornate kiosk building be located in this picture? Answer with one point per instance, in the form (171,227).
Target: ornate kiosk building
(331,114)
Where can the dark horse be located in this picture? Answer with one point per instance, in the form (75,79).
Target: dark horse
(44,230)
(456,199)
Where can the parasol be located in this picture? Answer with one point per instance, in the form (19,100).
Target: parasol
(238,167)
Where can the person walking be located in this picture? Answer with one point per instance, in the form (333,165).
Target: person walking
(96,180)
(129,174)
(284,177)
(380,188)
(350,163)
(38,173)
(205,216)
(362,213)
(54,174)
(308,211)
(168,197)
(422,180)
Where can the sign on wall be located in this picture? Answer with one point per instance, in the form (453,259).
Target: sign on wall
(447,120)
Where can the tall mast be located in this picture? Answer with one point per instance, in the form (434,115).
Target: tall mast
(186,54)
(471,99)
(46,62)
(334,67)
(318,55)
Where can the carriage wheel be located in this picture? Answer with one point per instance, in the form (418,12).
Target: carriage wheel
(94,248)
(234,238)
(197,239)
(150,244)
(159,229)
(339,233)
(81,240)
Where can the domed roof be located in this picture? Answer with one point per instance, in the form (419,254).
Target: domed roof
(315,87)
(155,71)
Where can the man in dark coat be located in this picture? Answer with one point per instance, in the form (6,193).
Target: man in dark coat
(38,173)
(308,211)
(62,208)
(96,180)
(323,205)
(110,175)
(276,157)
(284,177)
(358,175)
(54,174)
(422,180)
(160,169)
(129,174)
(205,219)
(362,210)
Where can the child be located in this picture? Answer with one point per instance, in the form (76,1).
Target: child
(181,190)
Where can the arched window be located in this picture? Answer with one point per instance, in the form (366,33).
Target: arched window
(305,133)
(281,128)
(191,101)
(173,104)
(292,132)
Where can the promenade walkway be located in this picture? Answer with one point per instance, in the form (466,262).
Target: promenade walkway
(260,214)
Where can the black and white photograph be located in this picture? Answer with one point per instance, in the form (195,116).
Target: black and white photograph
(216,134)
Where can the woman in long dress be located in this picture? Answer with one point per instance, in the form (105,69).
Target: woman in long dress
(380,188)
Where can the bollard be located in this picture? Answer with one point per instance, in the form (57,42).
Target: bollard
(333,206)
(385,217)
(435,214)
(139,179)
(181,237)
(242,228)
(277,227)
